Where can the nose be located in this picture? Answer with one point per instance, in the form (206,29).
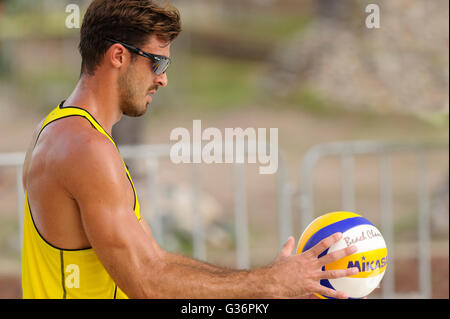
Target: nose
(161,79)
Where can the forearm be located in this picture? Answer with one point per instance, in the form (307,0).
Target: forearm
(174,280)
(176,276)
(182,260)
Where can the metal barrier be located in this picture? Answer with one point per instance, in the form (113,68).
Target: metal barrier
(347,151)
(151,155)
(16,160)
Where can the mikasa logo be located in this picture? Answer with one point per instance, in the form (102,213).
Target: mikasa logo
(368,265)
(368,234)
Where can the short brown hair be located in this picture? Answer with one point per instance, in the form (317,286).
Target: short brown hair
(129,21)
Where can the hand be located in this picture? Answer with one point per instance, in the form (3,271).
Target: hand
(287,248)
(300,275)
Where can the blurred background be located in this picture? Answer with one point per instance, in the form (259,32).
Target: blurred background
(310,68)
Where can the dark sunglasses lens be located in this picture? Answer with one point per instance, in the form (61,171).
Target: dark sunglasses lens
(161,66)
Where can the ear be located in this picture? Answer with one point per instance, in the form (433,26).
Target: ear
(117,55)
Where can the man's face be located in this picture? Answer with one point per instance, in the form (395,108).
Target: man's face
(138,83)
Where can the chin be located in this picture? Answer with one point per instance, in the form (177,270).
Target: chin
(136,111)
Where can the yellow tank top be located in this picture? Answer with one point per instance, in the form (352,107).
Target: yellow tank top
(52,272)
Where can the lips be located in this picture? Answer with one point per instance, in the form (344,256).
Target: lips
(150,94)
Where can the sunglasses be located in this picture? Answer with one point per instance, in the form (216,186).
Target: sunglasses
(160,62)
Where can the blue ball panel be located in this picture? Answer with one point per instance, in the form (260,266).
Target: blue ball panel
(340,226)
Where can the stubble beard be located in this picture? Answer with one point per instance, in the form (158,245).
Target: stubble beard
(131,103)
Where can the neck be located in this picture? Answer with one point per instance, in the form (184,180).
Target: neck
(99,98)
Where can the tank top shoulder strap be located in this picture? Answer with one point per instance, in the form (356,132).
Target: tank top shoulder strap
(62,112)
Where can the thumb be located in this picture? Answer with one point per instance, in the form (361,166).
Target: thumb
(288,247)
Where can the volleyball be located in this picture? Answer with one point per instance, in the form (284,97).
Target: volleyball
(370,258)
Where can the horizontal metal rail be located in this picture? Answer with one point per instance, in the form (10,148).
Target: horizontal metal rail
(151,155)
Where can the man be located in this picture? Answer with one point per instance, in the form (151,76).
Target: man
(83,235)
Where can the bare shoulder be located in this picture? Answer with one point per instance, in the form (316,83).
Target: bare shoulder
(72,153)
(80,148)
(79,139)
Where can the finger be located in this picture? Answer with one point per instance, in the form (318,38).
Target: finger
(324,244)
(337,273)
(336,294)
(324,291)
(288,247)
(336,255)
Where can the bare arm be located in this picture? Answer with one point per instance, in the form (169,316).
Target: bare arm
(142,269)
(183,260)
